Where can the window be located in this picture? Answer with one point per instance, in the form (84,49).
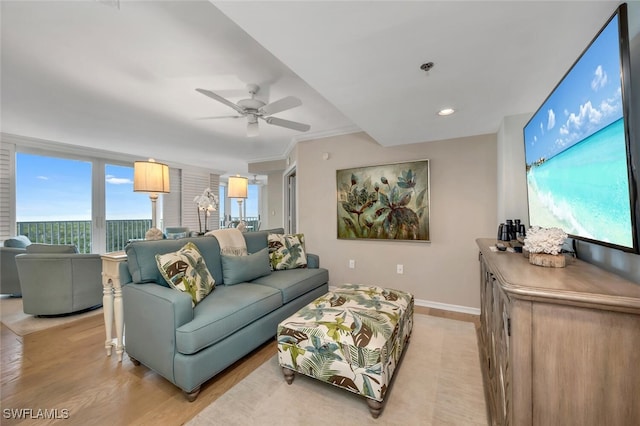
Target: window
(230,208)
(222,194)
(128,213)
(53,200)
(251,208)
(93,193)
(84,202)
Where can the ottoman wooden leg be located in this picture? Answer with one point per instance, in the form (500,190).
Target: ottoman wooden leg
(375,407)
(289,374)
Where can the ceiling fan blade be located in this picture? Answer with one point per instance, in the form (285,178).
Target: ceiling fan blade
(219,116)
(280,105)
(219,98)
(288,124)
(252,129)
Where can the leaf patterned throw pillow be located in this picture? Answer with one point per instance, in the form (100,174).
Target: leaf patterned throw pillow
(286,251)
(186,271)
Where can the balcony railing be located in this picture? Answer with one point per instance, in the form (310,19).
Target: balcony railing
(252,223)
(119,232)
(78,233)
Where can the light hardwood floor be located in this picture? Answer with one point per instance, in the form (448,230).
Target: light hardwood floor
(66,368)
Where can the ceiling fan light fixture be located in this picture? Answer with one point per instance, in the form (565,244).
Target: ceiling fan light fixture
(252,129)
(446,111)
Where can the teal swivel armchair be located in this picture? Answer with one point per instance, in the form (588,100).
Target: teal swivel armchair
(57,280)
(9,280)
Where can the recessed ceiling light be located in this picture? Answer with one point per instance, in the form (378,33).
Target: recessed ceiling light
(446,111)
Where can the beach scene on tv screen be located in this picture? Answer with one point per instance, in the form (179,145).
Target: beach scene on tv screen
(575,149)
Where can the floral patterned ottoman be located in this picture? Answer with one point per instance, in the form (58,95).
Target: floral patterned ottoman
(351,337)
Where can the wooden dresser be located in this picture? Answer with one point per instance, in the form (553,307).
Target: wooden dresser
(559,346)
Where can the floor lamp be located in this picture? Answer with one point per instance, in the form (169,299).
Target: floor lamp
(238,188)
(152,177)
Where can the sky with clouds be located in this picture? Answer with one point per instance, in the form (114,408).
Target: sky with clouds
(57,189)
(587,99)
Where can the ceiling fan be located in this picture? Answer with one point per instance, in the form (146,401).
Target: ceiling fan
(255,180)
(255,109)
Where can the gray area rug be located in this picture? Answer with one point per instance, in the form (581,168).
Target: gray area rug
(438,382)
(16,320)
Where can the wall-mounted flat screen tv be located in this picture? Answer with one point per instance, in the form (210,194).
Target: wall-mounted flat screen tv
(579,166)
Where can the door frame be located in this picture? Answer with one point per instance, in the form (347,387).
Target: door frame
(290,190)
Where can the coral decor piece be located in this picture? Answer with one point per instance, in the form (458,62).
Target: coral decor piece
(153,234)
(544,240)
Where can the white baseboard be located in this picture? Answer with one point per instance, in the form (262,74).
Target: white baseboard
(447,307)
(437,305)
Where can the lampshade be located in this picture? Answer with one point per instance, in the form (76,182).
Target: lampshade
(150,176)
(238,187)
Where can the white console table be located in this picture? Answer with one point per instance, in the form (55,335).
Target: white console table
(112,301)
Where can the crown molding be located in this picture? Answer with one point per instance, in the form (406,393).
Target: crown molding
(45,146)
(347,130)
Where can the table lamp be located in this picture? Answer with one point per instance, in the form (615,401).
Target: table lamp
(238,188)
(152,177)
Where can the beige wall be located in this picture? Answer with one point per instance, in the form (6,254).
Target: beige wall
(273,205)
(463,207)
(512,181)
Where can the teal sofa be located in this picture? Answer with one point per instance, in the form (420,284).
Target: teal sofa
(190,345)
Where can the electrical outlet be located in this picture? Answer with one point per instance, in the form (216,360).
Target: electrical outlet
(400,269)
(352,264)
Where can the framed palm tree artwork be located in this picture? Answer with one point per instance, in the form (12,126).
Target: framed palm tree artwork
(384,202)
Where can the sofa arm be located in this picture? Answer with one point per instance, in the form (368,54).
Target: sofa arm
(313,261)
(151,315)
(123,273)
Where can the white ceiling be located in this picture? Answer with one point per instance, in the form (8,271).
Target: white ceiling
(122,79)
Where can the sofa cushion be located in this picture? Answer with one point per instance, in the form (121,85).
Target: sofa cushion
(21,241)
(52,248)
(141,259)
(238,269)
(185,270)
(286,251)
(294,282)
(224,312)
(177,235)
(257,240)
(176,232)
